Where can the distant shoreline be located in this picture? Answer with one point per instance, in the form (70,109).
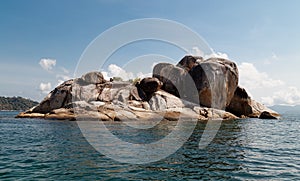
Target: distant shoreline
(16,103)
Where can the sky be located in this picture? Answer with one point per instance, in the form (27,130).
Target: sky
(42,41)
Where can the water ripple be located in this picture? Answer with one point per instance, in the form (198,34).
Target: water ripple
(33,149)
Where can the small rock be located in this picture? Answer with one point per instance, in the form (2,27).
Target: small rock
(267,115)
(157,102)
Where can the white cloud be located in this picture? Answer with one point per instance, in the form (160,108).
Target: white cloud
(45,87)
(105,75)
(267,90)
(222,55)
(288,96)
(217,55)
(197,52)
(251,78)
(116,71)
(47,63)
(142,75)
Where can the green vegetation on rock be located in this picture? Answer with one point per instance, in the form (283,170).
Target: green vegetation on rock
(16,103)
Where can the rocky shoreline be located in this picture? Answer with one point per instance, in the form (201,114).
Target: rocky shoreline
(194,88)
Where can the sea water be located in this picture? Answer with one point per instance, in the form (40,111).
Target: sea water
(245,149)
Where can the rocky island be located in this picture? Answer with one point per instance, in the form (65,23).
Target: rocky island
(194,88)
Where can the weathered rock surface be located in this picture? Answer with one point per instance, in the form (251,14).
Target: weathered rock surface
(57,98)
(92,78)
(172,78)
(195,88)
(240,104)
(211,82)
(216,80)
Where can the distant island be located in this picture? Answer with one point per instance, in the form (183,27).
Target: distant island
(285,108)
(16,103)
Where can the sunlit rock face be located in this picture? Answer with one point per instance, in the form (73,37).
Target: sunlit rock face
(216,80)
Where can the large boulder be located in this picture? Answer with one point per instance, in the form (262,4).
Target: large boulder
(156,72)
(240,104)
(171,76)
(92,78)
(86,88)
(210,82)
(177,81)
(216,80)
(89,92)
(57,98)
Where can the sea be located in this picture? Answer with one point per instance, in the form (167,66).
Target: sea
(244,149)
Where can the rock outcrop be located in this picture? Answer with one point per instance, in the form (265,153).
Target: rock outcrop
(242,105)
(194,88)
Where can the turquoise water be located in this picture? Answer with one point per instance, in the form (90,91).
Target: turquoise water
(249,149)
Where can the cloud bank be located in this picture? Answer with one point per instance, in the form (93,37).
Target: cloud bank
(251,78)
(267,90)
(287,96)
(198,52)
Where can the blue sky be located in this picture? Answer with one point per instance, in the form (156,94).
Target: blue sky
(262,37)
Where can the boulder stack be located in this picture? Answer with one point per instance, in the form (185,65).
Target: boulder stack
(194,88)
